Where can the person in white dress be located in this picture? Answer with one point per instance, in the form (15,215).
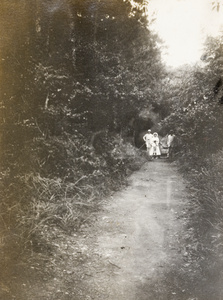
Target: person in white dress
(155,145)
(148,139)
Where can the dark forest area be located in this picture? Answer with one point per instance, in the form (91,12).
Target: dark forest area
(72,75)
(81,81)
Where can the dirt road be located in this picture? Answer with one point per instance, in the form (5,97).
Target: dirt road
(134,251)
(138,238)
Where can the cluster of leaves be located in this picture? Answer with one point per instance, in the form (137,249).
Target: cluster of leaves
(86,55)
(195,113)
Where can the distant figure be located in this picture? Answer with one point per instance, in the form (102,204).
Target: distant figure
(155,146)
(148,138)
(170,141)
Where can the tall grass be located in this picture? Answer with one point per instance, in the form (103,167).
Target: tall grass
(62,186)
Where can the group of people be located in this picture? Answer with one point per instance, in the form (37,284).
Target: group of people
(153,144)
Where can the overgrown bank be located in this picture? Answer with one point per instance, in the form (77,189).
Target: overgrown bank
(197,120)
(202,240)
(73,78)
(59,196)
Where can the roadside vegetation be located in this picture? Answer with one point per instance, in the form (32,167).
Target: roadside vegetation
(72,89)
(196,117)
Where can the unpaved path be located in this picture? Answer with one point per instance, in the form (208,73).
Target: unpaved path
(133,251)
(138,238)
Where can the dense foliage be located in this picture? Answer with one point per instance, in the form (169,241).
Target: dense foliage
(195,104)
(73,75)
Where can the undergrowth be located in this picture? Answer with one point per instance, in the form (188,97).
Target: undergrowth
(205,177)
(205,217)
(64,180)
(198,126)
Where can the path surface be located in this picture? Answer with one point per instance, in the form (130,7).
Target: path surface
(138,238)
(133,251)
